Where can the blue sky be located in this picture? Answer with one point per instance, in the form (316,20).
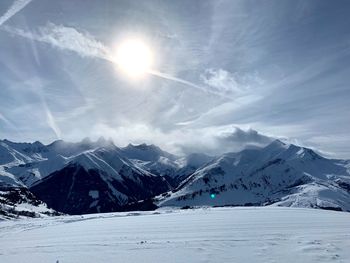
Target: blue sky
(279,67)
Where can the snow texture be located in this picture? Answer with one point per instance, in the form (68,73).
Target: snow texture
(265,234)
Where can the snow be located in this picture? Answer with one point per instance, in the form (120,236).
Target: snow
(267,234)
(146,152)
(94,194)
(39,209)
(31,162)
(280,173)
(7,179)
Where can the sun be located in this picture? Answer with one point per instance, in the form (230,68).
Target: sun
(133,57)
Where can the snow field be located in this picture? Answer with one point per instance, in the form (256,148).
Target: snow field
(264,234)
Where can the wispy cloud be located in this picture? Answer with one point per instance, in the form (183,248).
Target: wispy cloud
(52,123)
(16,6)
(225,82)
(220,80)
(214,57)
(85,45)
(65,38)
(5,120)
(203,88)
(13,128)
(220,114)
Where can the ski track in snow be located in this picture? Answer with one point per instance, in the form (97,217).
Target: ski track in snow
(267,234)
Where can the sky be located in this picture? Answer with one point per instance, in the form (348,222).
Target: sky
(227,73)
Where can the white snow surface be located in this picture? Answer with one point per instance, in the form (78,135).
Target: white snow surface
(264,234)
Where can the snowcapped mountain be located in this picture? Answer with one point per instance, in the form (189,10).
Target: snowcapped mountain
(187,165)
(101,180)
(12,153)
(152,159)
(279,174)
(31,162)
(84,177)
(156,161)
(145,152)
(15,199)
(91,177)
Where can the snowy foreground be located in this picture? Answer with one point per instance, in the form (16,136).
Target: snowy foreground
(266,234)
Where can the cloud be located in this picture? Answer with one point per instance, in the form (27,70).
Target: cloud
(16,6)
(51,122)
(222,114)
(216,92)
(84,44)
(5,120)
(222,139)
(220,80)
(243,138)
(65,38)
(211,140)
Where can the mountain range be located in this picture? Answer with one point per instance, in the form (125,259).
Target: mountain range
(94,177)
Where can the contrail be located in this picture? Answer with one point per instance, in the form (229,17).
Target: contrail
(169,77)
(16,6)
(10,124)
(52,123)
(5,120)
(85,45)
(185,82)
(50,120)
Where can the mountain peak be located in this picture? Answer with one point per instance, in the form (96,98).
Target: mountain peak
(143,147)
(146,152)
(56,143)
(86,140)
(277,144)
(101,140)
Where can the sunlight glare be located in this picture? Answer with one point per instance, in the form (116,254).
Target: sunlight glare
(133,57)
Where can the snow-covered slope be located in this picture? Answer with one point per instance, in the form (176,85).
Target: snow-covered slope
(145,152)
(101,180)
(12,153)
(187,165)
(266,234)
(30,162)
(90,177)
(174,168)
(17,202)
(283,174)
(15,199)
(36,161)
(89,167)
(152,159)
(9,180)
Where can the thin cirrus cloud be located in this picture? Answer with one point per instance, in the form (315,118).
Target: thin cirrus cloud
(221,80)
(84,44)
(280,67)
(65,38)
(16,6)
(5,120)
